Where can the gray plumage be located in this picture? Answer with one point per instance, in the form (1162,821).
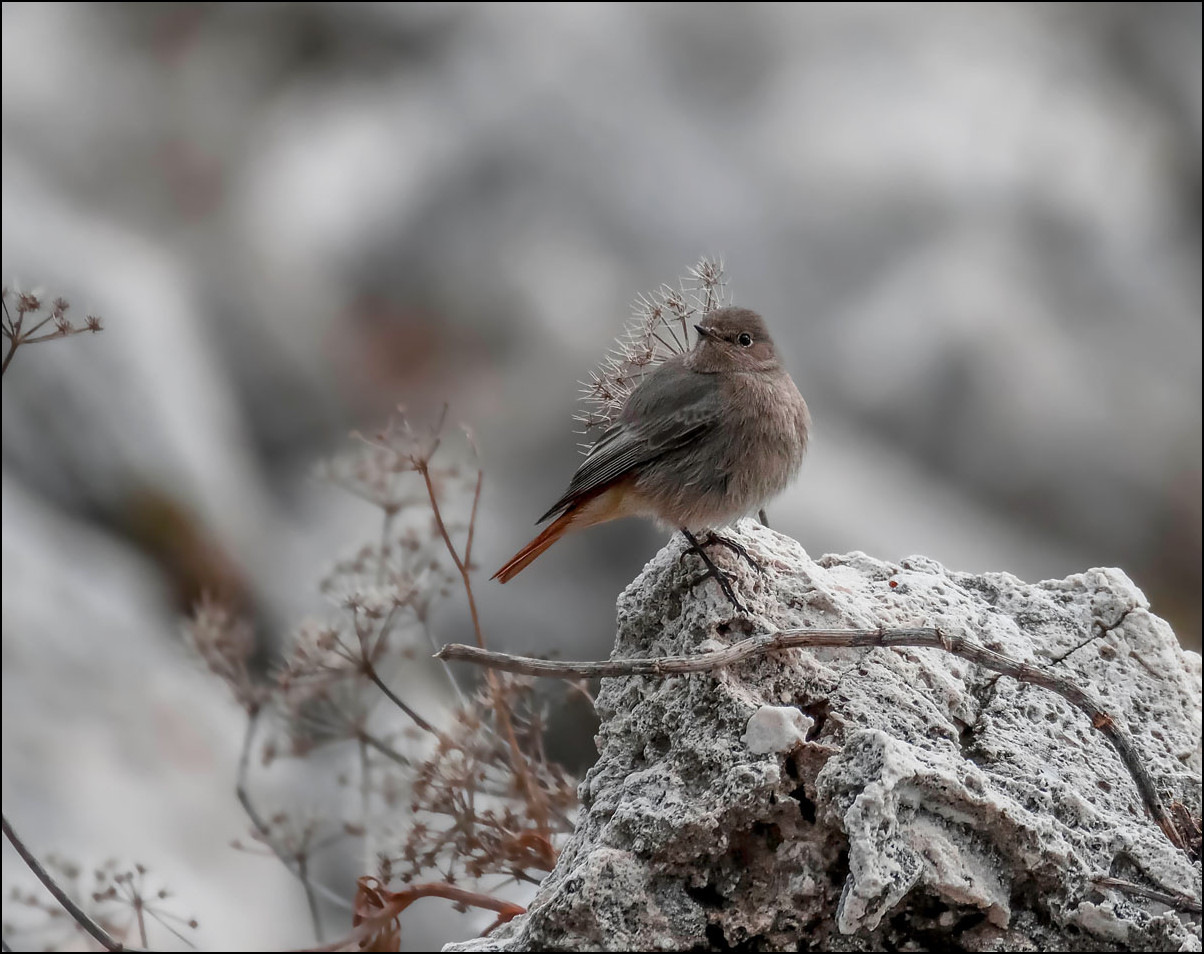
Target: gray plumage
(707,436)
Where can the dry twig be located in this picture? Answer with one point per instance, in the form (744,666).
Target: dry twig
(81,918)
(376,926)
(764,643)
(296,863)
(1179,901)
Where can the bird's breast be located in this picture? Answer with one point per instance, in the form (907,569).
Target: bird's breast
(749,456)
(769,439)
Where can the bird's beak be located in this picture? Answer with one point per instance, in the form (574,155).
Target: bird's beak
(704,332)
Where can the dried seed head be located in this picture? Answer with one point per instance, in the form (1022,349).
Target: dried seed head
(660,327)
(226,644)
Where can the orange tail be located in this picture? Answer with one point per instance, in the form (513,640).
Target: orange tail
(521,560)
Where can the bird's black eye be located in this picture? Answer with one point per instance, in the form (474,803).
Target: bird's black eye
(745,340)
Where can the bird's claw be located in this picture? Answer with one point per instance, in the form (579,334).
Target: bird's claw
(714,539)
(712,571)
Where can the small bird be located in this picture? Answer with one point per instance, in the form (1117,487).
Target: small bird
(708,436)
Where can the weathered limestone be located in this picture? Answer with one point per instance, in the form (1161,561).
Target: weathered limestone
(868,800)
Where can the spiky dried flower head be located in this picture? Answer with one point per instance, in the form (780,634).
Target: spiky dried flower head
(130,889)
(377,469)
(226,643)
(321,657)
(28,302)
(659,328)
(27,305)
(119,899)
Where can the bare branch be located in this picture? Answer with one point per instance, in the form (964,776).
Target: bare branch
(1181,902)
(366,738)
(472,519)
(764,643)
(295,865)
(377,910)
(100,934)
(371,673)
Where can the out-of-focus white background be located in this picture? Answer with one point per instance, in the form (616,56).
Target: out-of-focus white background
(973,228)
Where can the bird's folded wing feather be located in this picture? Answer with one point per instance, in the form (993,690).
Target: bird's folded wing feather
(665,413)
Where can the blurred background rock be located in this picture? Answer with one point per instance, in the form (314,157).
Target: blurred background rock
(974,229)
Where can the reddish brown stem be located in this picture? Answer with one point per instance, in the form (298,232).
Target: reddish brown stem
(393,903)
(534,796)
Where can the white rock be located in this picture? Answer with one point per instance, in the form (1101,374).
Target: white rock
(776,729)
(935,802)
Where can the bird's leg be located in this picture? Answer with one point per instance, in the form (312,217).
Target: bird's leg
(714,571)
(714,539)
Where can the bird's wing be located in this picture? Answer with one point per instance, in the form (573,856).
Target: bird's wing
(668,410)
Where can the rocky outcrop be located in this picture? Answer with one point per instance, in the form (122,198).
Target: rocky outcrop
(880,799)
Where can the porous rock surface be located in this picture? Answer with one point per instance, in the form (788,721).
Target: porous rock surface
(875,799)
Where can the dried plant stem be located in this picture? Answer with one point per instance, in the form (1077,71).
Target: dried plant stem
(1175,900)
(366,738)
(81,918)
(141,915)
(534,797)
(12,331)
(295,864)
(370,672)
(398,901)
(423,468)
(368,841)
(386,528)
(368,651)
(472,519)
(447,671)
(764,643)
(315,917)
